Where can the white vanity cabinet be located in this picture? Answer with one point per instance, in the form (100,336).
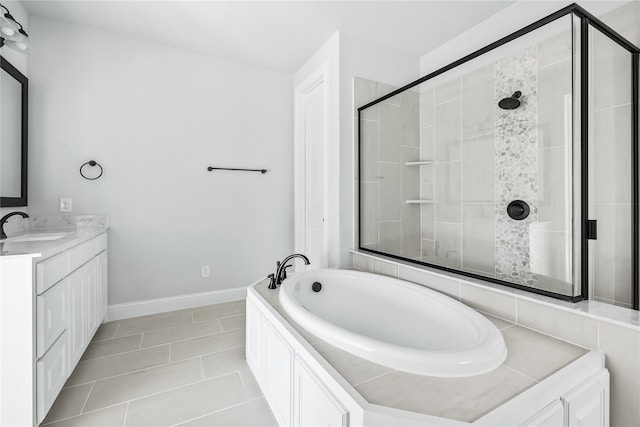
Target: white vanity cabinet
(313,404)
(303,389)
(296,395)
(551,415)
(55,304)
(277,378)
(588,404)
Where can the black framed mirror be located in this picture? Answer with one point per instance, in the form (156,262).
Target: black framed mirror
(14,89)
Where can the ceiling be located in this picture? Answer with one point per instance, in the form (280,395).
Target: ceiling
(279,35)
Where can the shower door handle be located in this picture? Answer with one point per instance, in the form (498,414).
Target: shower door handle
(592,229)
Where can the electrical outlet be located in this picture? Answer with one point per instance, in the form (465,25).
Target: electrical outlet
(66,204)
(205,271)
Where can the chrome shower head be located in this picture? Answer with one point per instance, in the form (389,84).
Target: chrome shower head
(511,102)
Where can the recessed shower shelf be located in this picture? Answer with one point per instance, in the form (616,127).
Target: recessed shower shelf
(419,201)
(419,163)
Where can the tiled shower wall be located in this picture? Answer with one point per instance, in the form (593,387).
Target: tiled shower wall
(389,140)
(610,164)
(484,157)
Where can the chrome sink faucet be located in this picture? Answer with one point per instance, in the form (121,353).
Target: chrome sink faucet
(281,270)
(5,218)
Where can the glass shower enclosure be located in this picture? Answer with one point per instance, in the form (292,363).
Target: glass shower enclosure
(516,164)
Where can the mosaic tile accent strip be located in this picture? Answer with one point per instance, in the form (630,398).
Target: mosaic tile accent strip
(516,166)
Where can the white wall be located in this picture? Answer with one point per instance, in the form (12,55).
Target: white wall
(155,117)
(20,61)
(508,20)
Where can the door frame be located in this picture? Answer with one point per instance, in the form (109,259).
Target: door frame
(319,76)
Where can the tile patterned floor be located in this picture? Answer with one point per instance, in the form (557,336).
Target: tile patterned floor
(184,368)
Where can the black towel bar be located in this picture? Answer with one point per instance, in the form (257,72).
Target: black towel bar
(210,168)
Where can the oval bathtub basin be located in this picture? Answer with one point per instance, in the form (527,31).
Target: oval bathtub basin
(394,323)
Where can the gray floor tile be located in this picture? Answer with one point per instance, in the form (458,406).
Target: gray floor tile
(186,403)
(114,376)
(106,331)
(224,362)
(153,323)
(113,346)
(233,323)
(180,333)
(69,403)
(526,345)
(250,384)
(143,383)
(112,417)
(105,367)
(212,312)
(253,413)
(207,345)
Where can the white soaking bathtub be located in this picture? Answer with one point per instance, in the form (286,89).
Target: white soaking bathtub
(394,323)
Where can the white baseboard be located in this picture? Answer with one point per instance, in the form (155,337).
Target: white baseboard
(180,302)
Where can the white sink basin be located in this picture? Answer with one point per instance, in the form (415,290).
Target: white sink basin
(36,237)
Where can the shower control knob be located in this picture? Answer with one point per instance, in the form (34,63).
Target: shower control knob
(518,210)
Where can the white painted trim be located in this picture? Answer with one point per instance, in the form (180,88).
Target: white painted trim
(327,56)
(179,302)
(316,78)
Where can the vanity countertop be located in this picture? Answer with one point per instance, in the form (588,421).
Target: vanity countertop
(74,230)
(531,358)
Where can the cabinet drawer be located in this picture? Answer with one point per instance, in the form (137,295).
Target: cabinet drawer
(101,241)
(50,271)
(51,373)
(82,253)
(51,317)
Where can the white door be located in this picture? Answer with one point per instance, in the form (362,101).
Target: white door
(315,246)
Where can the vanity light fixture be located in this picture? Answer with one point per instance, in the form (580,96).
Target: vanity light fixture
(12,33)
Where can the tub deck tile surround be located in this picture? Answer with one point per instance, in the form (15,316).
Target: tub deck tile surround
(590,324)
(531,358)
(184,367)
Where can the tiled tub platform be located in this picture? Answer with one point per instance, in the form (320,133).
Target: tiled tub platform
(538,373)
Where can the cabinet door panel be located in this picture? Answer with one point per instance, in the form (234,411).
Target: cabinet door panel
(277,375)
(588,404)
(102,285)
(51,373)
(77,310)
(314,405)
(51,316)
(91,292)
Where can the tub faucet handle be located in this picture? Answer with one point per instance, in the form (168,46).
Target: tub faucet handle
(284,271)
(272,281)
